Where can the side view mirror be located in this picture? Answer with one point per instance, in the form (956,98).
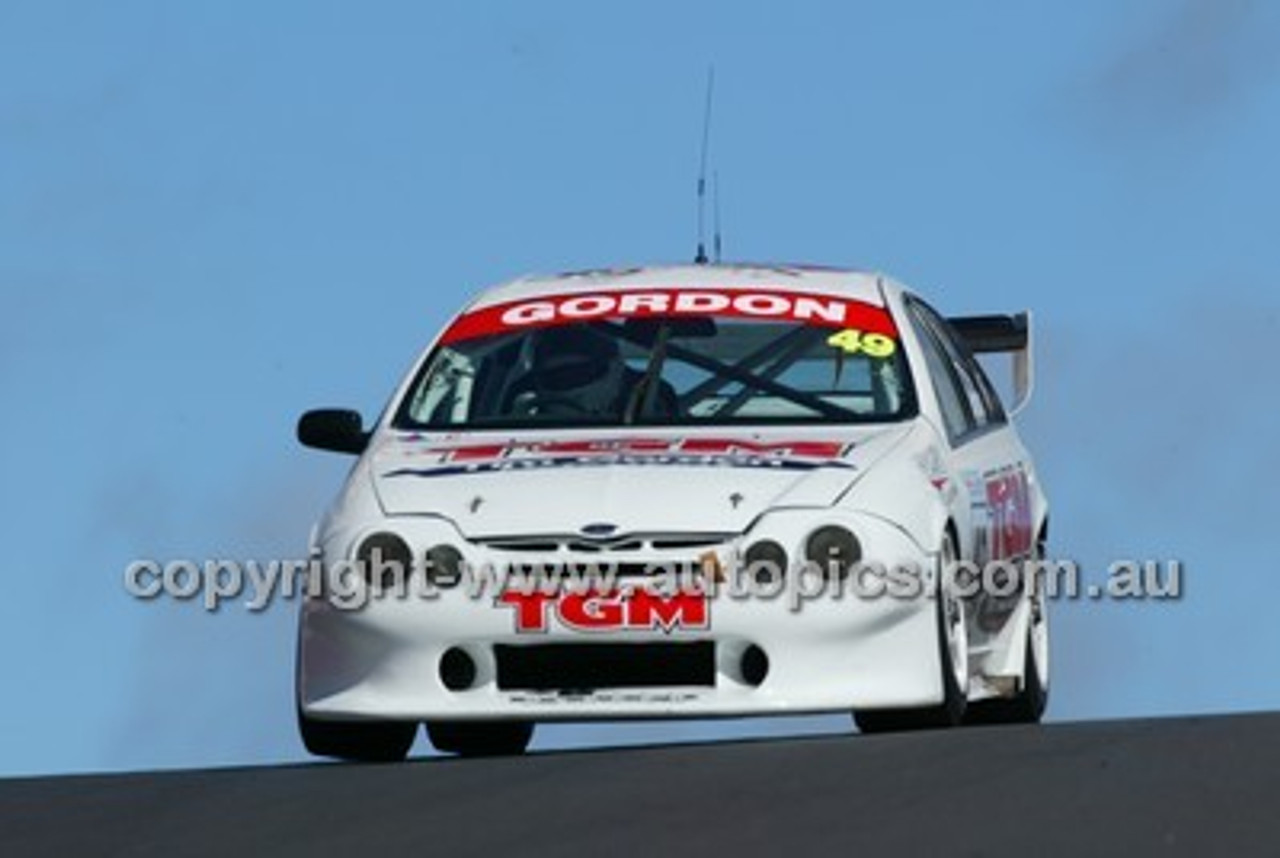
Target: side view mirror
(340,430)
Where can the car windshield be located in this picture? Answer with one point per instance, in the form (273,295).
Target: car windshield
(760,360)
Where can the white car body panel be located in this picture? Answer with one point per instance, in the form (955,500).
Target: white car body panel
(898,486)
(400,464)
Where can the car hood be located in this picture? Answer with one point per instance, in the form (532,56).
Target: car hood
(618,482)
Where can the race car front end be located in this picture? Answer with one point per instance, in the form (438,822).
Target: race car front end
(541,626)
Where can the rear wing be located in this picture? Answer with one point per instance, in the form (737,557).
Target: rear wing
(1009,335)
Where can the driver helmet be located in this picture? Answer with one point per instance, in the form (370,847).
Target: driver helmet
(580,365)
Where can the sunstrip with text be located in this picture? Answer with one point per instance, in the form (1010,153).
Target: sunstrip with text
(828,311)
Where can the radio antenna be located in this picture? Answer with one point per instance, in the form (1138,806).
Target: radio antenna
(701,257)
(715,216)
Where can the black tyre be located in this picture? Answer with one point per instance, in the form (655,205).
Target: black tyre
(358,741)
(480,738)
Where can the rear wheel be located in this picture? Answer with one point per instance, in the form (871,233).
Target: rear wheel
(953,653)
(360,741)
(480,738)
(1028,705)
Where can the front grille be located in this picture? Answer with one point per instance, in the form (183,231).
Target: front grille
(687,542)
(602,570)
(582,667)
(549,543)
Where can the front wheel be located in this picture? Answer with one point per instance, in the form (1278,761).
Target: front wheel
(953,653)
(358,741)
(480,738)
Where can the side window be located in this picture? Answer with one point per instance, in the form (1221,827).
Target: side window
(977,404)
(984,404)
(972,370)
(954,404)
(995,408)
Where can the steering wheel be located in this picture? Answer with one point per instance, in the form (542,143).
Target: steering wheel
(535,403)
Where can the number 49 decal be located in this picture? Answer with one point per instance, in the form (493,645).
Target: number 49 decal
(852,341)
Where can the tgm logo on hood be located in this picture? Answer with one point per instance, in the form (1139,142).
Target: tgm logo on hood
(599,528)
(794,455)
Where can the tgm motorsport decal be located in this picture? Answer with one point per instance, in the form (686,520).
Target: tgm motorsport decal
(797,455)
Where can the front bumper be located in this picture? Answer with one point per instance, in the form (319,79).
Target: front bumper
(383,661)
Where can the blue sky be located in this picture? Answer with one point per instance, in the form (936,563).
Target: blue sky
(213,216)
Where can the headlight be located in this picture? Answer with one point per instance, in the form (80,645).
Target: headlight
(444,565)
(766,561)
(385,560)
(833,549)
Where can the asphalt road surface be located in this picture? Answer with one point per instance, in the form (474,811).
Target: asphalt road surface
(1183,786)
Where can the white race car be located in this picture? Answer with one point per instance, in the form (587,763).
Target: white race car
(696,491)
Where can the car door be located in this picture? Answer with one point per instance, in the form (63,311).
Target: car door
(984,458)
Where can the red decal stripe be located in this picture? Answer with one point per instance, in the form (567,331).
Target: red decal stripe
(830,311)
